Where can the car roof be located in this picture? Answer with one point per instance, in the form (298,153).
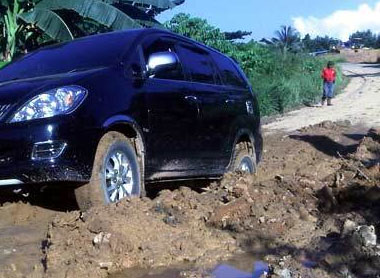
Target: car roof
(141,32)
(135,34)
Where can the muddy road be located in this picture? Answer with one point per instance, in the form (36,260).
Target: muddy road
(311,211)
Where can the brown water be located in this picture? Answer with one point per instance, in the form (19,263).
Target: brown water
(243,262)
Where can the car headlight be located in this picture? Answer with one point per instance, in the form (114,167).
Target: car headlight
(55,102)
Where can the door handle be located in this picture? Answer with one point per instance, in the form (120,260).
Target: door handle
(194,100)
(229,101)
(191,98)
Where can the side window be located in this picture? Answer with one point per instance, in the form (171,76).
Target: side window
(162,45)
(197,63)
(229,73)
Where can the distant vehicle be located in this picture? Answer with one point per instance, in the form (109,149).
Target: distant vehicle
(120,110)
(319,52)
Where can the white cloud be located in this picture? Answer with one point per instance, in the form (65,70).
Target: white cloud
(341,23)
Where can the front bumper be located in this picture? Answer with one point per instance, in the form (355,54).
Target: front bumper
(73,164)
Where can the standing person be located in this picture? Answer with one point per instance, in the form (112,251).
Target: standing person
(329,77)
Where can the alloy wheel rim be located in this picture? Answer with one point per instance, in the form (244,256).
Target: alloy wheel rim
(245,166)
(119,177)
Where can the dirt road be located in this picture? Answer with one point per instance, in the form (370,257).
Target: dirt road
(359,103)
(293,215)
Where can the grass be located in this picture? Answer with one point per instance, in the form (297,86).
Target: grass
(294,80)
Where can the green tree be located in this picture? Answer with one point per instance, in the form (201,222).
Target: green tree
(237,35)
(63,20)
(364,38)
(198,29)
(286,39)
(319,43)
(253,57)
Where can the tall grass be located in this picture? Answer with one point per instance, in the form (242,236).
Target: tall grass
(294,80)
(282,82)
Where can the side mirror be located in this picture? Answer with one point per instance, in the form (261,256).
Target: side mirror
(162,61)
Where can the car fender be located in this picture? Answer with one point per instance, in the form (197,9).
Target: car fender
(241,133)
(120,120)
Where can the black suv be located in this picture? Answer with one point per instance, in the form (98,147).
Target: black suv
(120,110)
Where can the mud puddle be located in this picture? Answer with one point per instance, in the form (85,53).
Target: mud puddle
(162,272)
(243,263)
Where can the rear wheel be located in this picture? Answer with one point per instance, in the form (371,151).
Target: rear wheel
(116,173)
(244,158)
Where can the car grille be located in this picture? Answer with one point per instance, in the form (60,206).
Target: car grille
(3,109)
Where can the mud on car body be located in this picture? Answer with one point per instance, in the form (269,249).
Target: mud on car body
(120,110)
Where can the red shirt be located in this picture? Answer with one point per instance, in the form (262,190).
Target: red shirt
(329,74)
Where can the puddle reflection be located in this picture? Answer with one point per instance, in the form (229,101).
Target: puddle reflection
(240,266)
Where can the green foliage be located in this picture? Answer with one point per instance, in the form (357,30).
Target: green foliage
(286,39)
(62,20)
(281,81)
(98,11)
(319,43)
(2,64)
(293,82)
(237,35)
(366,39)
(13,29)
(49,22)
(198,29)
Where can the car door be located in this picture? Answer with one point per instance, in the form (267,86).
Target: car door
(173,117)
(239,106)
(213,125)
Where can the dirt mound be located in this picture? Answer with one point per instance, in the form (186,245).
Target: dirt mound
(239,213)
(293,220)
(182,226)
(164,231)
(361,55)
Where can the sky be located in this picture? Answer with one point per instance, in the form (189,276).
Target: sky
(336,18)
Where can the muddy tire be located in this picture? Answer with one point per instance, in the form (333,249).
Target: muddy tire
(244,159)
(117,173)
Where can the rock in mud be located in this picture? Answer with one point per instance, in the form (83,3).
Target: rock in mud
(327,199)
(365,236)
(101,238)
(282,273)
(348,228)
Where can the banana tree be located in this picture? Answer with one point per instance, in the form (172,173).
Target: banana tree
(11,28)
(62,20)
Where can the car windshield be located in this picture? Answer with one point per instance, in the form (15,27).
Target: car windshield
(95,52)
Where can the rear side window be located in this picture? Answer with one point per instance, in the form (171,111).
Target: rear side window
(198,63)
(229,72)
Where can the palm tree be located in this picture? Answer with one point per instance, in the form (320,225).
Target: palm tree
(63,20)
(287,39)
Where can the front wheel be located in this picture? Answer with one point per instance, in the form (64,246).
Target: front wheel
(116,173)
(244,159)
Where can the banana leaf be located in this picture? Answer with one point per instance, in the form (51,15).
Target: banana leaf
(155,4)
(97,10)
(49,22)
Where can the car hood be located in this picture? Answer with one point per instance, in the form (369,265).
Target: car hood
(15,91)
